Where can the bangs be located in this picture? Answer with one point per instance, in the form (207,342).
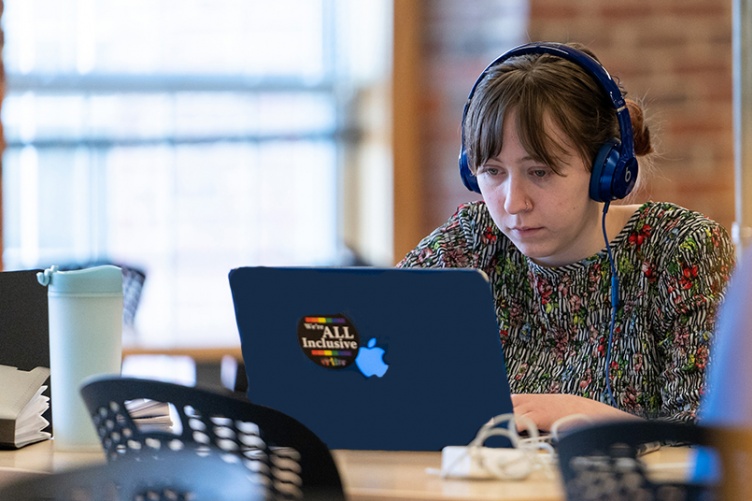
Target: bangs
(532,128)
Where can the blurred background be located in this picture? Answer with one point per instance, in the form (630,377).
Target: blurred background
(182,138)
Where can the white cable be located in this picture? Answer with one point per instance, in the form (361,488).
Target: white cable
(527,454)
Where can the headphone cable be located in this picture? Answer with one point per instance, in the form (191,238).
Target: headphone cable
(614,306)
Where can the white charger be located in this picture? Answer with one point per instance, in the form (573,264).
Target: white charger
(476,462)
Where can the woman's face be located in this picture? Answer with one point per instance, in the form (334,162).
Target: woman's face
(548,216)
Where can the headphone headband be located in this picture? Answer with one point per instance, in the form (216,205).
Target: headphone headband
(615,170)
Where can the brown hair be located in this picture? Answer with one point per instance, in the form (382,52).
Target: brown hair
(541,86)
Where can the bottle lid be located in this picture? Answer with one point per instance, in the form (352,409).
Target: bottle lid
(105,279)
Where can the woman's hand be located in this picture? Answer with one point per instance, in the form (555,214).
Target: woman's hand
(544,409)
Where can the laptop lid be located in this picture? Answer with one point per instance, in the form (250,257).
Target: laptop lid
(373,358)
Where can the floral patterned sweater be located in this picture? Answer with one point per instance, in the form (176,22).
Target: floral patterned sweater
(672,266)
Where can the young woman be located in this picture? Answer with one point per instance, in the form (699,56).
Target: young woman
(608,331)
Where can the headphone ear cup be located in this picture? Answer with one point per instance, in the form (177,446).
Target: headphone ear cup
(468,178)
(613,175)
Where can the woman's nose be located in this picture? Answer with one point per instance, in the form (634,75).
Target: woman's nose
(517,199)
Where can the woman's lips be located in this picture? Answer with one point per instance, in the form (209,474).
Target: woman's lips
(525,228)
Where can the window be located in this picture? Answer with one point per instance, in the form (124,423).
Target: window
(185,138)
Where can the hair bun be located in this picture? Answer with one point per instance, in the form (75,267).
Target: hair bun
(642,144)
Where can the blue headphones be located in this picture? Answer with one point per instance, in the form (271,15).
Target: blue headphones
(614,170)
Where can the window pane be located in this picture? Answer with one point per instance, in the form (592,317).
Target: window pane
(223,199)
(183,137)
(281,38)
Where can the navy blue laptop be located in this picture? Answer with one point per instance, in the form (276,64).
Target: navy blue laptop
(373,358)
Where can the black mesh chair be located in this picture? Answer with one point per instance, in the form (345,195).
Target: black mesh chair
(605,461)
(131,419)
(180,477)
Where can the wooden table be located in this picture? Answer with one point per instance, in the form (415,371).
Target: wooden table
(366,475)
(40,459)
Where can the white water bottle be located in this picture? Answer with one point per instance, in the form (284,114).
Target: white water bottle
(86,326)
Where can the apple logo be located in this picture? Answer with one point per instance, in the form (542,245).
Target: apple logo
(370,360)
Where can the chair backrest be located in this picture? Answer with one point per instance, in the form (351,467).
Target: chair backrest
(129,415)
(178,476)
(603,461)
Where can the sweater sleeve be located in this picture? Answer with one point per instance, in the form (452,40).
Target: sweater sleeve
(691,288)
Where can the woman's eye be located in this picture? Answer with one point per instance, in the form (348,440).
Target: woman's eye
(487,169)
(540,172)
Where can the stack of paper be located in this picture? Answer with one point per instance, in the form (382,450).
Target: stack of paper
(150,415)
(22,405)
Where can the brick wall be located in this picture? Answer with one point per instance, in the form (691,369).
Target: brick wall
(673,54)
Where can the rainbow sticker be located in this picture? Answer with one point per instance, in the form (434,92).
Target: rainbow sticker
(329,340)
